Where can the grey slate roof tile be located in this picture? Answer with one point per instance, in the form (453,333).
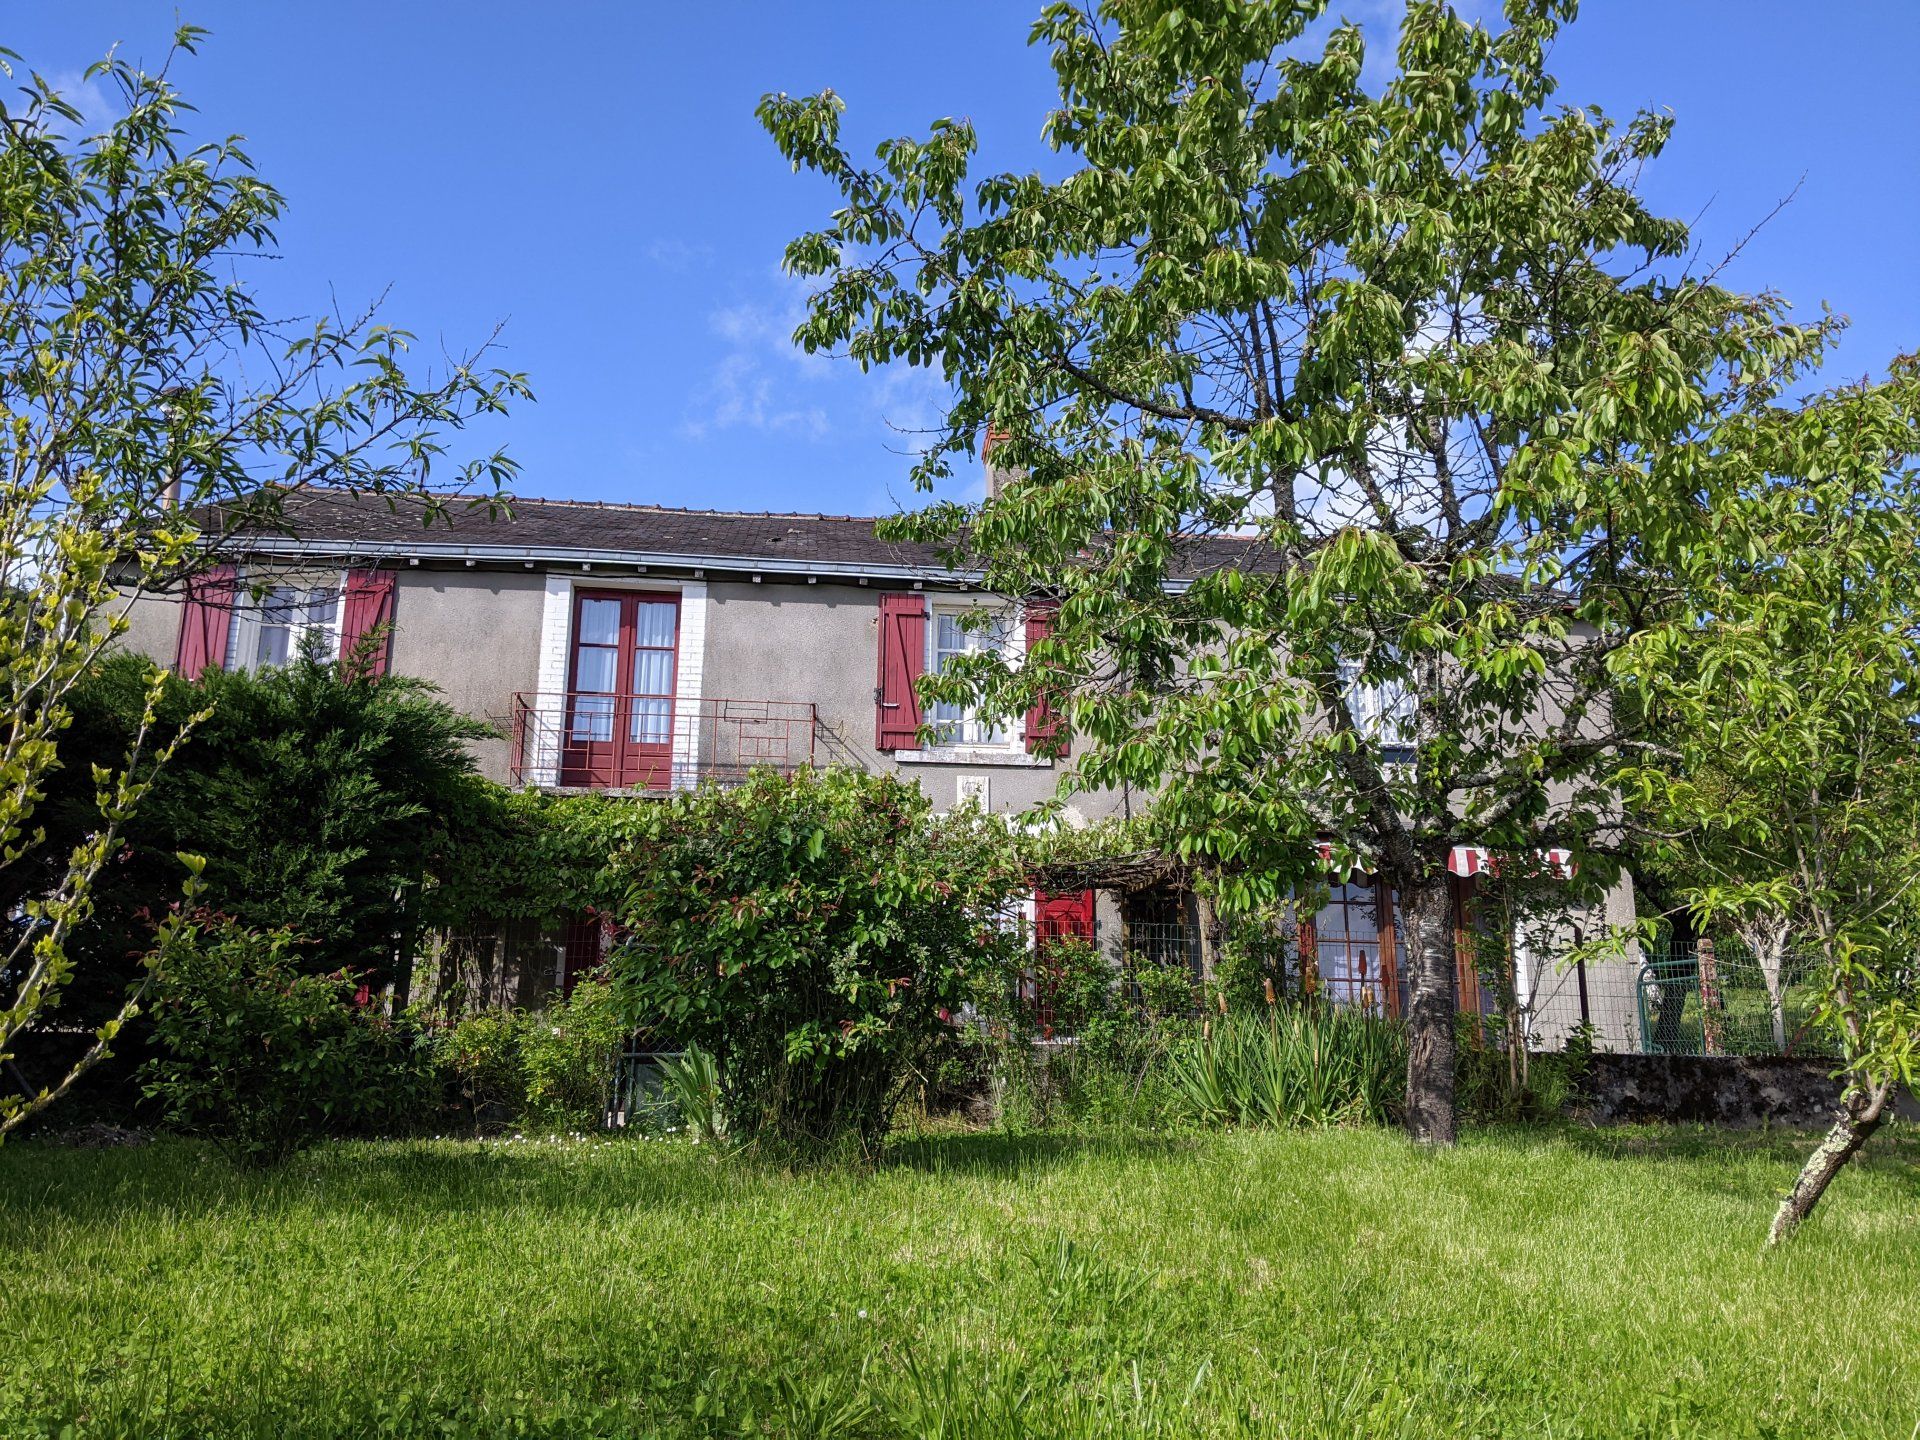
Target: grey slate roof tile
(340,518)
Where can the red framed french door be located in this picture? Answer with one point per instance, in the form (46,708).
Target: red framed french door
(619,719)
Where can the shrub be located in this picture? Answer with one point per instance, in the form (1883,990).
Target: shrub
(1494,1085)
(1073,1037)
(264,1059)
(815,934)
(551,1068)
(480,1055)
(567,1058)
(319,800)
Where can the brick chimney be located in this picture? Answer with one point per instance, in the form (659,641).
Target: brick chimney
(998,476)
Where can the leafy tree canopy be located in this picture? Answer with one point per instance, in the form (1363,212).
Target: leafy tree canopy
(143,390)
(1465,404)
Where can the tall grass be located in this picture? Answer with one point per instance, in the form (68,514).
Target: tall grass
(1293,1066)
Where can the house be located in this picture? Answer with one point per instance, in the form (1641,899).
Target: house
(643,649)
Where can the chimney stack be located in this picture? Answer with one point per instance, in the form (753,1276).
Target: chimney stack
(998,476)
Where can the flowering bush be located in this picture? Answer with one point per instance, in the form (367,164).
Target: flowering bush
(814,934)
(567,1058)
(264,1059)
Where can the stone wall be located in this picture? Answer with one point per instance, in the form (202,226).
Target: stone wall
(1727,1090)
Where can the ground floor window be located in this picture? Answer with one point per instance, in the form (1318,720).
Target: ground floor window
(1352,951)
(1352,948)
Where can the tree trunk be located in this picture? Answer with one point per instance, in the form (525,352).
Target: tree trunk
(1426,916)
(1865,1112)
(1766,940)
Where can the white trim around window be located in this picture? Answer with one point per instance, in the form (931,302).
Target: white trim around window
(556,659)
(269,624)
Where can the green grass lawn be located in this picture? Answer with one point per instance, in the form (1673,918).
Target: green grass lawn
(1320,1284)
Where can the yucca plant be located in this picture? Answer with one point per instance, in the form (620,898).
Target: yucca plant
(691,1080)
(1292,1067)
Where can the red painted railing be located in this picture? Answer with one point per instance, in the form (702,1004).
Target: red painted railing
(572,740)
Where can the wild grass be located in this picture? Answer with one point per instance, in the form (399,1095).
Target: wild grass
(1293,1283)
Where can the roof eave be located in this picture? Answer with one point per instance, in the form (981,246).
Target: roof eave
(567,555)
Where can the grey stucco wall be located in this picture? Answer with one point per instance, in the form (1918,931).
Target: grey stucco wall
(153,627)
(820,643)
(476,635)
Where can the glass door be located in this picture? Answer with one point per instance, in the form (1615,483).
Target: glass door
(619,714)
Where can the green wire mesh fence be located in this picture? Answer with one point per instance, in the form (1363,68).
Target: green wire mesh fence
(1717,999)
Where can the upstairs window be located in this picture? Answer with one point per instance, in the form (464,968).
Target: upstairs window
(270,627)
(1382,710)
(959,630)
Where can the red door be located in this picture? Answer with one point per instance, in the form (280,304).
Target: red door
(1056,917)
(620,690)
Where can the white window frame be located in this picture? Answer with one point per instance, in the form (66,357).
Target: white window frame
(247,622)
(969,739)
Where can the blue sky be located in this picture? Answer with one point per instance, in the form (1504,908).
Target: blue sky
(591,174)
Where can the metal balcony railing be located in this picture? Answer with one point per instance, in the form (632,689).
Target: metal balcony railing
(576,740)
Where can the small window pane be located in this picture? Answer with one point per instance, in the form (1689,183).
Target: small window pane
(593,670)
(654,624)
(320,606)
(599,622)
(593,717)
(651,721)
(945,718)
(272,649)
(653,672)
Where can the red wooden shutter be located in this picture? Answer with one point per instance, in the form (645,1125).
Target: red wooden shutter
(204,619)
(903,658)
(369,603)
(1043,722)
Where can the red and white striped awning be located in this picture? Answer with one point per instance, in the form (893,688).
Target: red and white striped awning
(1472,859)
(1467,860)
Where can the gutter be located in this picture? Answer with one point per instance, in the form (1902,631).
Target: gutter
(531,555)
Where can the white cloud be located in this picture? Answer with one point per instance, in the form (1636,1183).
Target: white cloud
(741,394)
(756,383)
(763,381)
(87,95)
(675,255)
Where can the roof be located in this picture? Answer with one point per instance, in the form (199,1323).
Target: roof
(533,530)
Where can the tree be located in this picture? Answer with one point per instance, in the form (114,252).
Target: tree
(142,390)
(1785,800)
(1423,347)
